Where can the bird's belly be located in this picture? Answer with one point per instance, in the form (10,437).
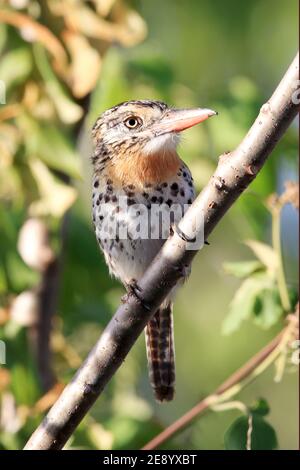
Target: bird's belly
(128,248)
(132,226)
(133,260)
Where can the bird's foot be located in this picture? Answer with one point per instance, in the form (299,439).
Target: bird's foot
(134,289)
(174,228)
(181,234)
(184,271)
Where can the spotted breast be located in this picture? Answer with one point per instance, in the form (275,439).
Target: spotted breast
(129,221)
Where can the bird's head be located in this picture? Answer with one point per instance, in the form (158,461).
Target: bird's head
(142,135)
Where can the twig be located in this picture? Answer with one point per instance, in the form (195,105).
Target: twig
(234,173)
(249,432)
(276,240)
(249,371)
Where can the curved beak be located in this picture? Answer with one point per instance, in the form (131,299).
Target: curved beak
(177,120)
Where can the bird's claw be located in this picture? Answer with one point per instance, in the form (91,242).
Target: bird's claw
(134,289)
(184,271)
(182,235)
(174,228)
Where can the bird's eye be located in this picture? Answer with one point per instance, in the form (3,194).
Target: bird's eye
(132,122)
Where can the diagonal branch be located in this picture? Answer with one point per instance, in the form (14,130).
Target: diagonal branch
(234,173)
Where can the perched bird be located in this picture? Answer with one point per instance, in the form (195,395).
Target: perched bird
(136,166)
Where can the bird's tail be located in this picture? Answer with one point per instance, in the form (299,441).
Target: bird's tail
(161,353)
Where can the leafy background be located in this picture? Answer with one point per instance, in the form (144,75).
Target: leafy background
(63,63)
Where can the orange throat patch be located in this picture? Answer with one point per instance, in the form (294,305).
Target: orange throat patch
(140,169)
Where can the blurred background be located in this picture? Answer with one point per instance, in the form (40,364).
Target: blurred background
(61,64)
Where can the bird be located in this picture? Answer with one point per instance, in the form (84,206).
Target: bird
(136,168)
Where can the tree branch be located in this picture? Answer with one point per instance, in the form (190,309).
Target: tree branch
(39,333)
(48,291)
(234,173)
(35,249)
(233,385)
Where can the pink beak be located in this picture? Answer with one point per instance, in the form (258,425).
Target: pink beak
(177,120)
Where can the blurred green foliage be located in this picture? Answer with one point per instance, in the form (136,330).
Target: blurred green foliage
(225,55)
(251,431)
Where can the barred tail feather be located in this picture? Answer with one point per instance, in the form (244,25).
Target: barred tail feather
(161,354)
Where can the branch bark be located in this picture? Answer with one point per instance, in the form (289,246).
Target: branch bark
(234,173)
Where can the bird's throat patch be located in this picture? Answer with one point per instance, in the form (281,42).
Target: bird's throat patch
(140,169)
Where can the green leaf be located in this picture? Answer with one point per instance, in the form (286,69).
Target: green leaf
(242,268)
(263,436)
(260,407)
(267,307)
(256,298)
(242,304)
(264,253)
(15,66)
